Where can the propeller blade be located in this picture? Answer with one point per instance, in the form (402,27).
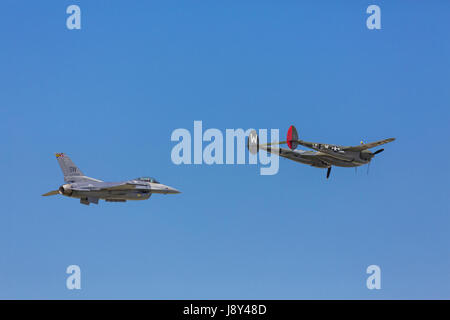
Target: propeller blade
(51,193)
(378,151)
(328,172)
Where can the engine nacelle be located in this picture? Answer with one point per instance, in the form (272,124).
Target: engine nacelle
(366,155)
(65,190)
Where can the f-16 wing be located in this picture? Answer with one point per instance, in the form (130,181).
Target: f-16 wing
(368,145)
(105,186)
(120,186)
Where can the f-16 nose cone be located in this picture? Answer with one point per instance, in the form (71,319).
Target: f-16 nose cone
(161,188)
(172,190)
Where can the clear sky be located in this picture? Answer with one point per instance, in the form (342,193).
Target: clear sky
(110,95)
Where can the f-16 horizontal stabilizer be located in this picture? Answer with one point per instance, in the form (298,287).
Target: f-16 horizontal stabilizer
(51,193)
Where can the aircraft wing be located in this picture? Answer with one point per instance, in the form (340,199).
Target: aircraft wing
(124,186)
(307,157)
(111,186)
(368,145)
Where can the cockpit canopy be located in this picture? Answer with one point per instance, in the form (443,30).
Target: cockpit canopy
(147,179)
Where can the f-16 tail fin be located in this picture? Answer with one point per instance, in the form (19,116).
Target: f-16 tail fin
(70,170)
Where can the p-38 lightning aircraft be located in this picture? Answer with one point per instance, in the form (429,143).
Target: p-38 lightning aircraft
(90,190)
(324,156)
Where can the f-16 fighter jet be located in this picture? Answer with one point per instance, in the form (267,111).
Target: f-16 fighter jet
(90,190)
(323,156)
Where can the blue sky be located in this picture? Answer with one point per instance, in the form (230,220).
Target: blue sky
(110,95)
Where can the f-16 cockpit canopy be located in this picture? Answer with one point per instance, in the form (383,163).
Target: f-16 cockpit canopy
(147,179)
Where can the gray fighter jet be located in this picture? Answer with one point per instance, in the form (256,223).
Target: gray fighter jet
(324,156)
(90,190)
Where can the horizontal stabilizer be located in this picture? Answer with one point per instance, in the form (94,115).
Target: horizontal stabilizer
(51,193)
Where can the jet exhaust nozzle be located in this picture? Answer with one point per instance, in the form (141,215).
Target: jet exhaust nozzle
(65,190)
